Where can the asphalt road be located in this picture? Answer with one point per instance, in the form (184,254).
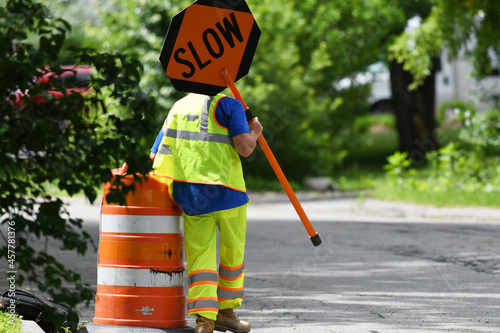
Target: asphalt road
(378,269)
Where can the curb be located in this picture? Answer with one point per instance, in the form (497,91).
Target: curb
(337,206)
(399,209)
(94,328)
(29,326)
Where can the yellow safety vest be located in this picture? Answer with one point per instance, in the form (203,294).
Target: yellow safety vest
(195,148)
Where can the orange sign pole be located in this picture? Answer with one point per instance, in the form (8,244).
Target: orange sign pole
(316,240)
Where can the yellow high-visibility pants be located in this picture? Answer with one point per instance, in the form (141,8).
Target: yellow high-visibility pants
(210,290)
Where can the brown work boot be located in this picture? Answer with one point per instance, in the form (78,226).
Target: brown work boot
(227,320)
(204,325)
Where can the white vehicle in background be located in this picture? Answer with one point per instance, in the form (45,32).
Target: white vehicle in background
(454,81)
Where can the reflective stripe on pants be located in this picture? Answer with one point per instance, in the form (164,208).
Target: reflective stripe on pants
(205,286)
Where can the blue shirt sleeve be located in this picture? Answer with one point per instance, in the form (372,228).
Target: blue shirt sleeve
(156,145)
(231,115)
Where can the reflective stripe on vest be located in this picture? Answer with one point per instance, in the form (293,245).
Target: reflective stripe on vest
(204,114)
(198,136)
(203,134)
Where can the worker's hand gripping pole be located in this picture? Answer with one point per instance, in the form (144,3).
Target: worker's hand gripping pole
(316,240)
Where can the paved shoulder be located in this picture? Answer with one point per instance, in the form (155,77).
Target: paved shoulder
(350,207)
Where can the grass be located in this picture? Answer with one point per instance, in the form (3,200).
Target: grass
(363,172)
(358,177)
(259,184)
(9,324)
(447,198)
(371,181)
(372,148)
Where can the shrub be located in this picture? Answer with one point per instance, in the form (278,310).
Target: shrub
(9,323)
(471,165)
(460,111)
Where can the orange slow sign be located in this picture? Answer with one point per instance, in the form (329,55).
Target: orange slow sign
(205,38)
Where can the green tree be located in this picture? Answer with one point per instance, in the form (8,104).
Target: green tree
(138,28)
(72,142)
(470,25)
(304,48)
(413,105)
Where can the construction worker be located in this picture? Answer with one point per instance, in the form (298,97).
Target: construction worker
(196,153)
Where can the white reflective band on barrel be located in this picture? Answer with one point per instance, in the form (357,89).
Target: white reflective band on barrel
(112,276)
(140,224)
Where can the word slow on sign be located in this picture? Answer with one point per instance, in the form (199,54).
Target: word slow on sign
(203,40)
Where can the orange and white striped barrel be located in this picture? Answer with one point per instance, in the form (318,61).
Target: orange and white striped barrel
(140,262)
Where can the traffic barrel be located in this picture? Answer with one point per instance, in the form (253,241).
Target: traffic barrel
(140,261)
